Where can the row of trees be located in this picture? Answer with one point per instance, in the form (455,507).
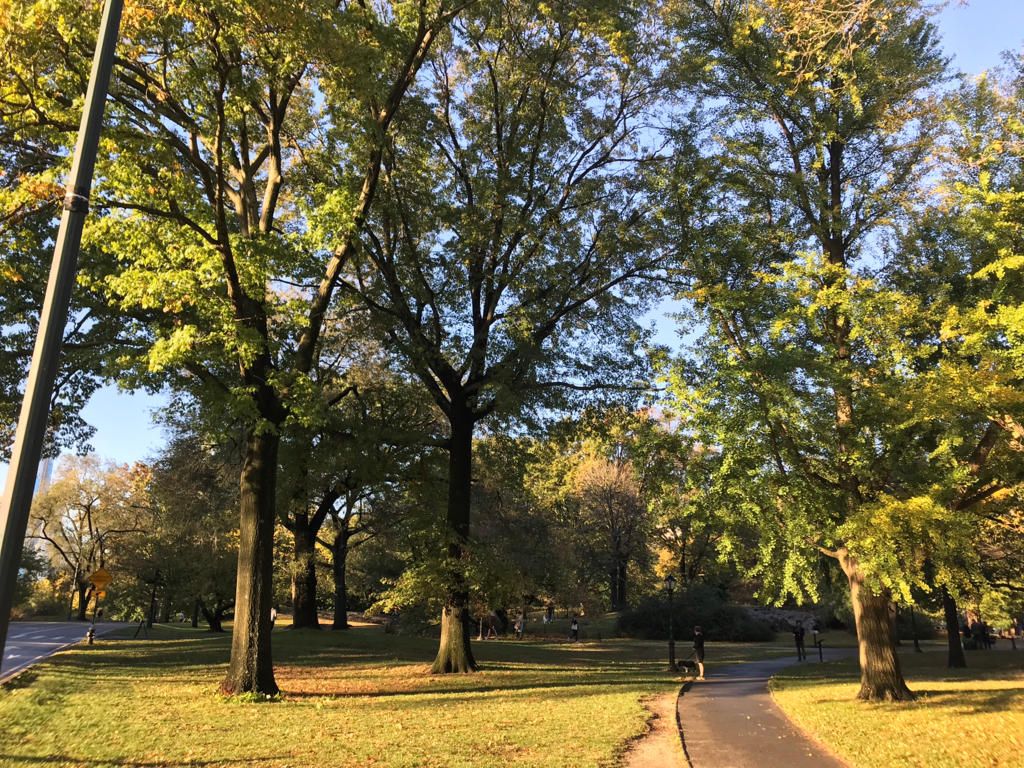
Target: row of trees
(346,235)
(573,519)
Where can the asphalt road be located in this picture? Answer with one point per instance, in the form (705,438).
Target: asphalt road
(30,641)
(730,721)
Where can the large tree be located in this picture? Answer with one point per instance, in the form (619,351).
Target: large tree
(348,471)
(192,523)
(822,127)
(963,254)
(230,126)
(44,83)
(606,480)
(510,251)
(86,518)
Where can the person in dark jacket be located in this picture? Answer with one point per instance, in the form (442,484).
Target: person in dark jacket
(698,651)
(798,636)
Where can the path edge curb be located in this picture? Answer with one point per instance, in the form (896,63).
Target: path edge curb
(679,723)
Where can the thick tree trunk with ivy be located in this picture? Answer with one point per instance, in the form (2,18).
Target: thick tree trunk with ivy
(881,678)
(304,609)
(339,552)
(955,658)
(454,653)
(251,669)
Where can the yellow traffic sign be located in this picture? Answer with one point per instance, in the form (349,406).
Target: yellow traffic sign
(100,578)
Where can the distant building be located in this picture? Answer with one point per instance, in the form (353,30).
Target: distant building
(44,478)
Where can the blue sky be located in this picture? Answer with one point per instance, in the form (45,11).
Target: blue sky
(973,33)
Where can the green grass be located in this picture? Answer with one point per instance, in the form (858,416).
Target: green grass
(356,698)
(972,716)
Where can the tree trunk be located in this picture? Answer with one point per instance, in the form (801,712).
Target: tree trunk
(304,577)
(251,668)
(955,658)
(621,582)
(339,552)
(165,610)
(213,618)
(195,613)
(83,601)
(880,676)
(454,653)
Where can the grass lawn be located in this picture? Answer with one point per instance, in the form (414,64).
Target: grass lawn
(972,716)
(356,698)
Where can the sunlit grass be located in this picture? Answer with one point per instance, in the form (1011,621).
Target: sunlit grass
(352,698)
(972,716)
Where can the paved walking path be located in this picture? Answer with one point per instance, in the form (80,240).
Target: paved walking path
(31,641)
(730,721)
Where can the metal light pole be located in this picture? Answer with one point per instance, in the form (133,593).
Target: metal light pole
(670,585)
(35,406)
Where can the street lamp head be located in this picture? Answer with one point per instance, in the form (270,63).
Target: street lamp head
(670,582)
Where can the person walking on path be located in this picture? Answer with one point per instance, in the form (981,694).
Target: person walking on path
(574,629)
(798,636)
(698,651)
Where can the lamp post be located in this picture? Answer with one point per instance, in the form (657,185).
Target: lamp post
(670,585)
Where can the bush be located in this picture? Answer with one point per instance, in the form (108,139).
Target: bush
(700,605)
(926,626)
(42,600)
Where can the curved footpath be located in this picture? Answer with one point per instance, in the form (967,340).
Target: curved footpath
(729,720)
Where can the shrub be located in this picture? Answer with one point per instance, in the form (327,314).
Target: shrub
(699,605)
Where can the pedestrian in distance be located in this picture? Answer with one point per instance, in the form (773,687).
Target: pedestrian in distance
(273,616)
(574,629)
(798,637)
(698,651)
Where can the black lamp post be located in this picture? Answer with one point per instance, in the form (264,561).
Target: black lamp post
(670,585)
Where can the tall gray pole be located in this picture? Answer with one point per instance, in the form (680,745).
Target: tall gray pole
(35,407)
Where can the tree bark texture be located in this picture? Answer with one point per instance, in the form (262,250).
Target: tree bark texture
(213,617)
(881,678)
(619,584)
(83,601)
(339,552)
(304,577)
(251,669)
(454,653)
(955,658)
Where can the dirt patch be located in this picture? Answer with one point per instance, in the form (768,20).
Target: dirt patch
(660,747)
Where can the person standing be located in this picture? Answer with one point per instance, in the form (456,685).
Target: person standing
(798,636)
(698,651)
(574,629)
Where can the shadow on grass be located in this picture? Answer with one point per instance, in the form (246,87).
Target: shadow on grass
(926,670)
(176,654)
(498,687)
(971,702)
(23,679)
